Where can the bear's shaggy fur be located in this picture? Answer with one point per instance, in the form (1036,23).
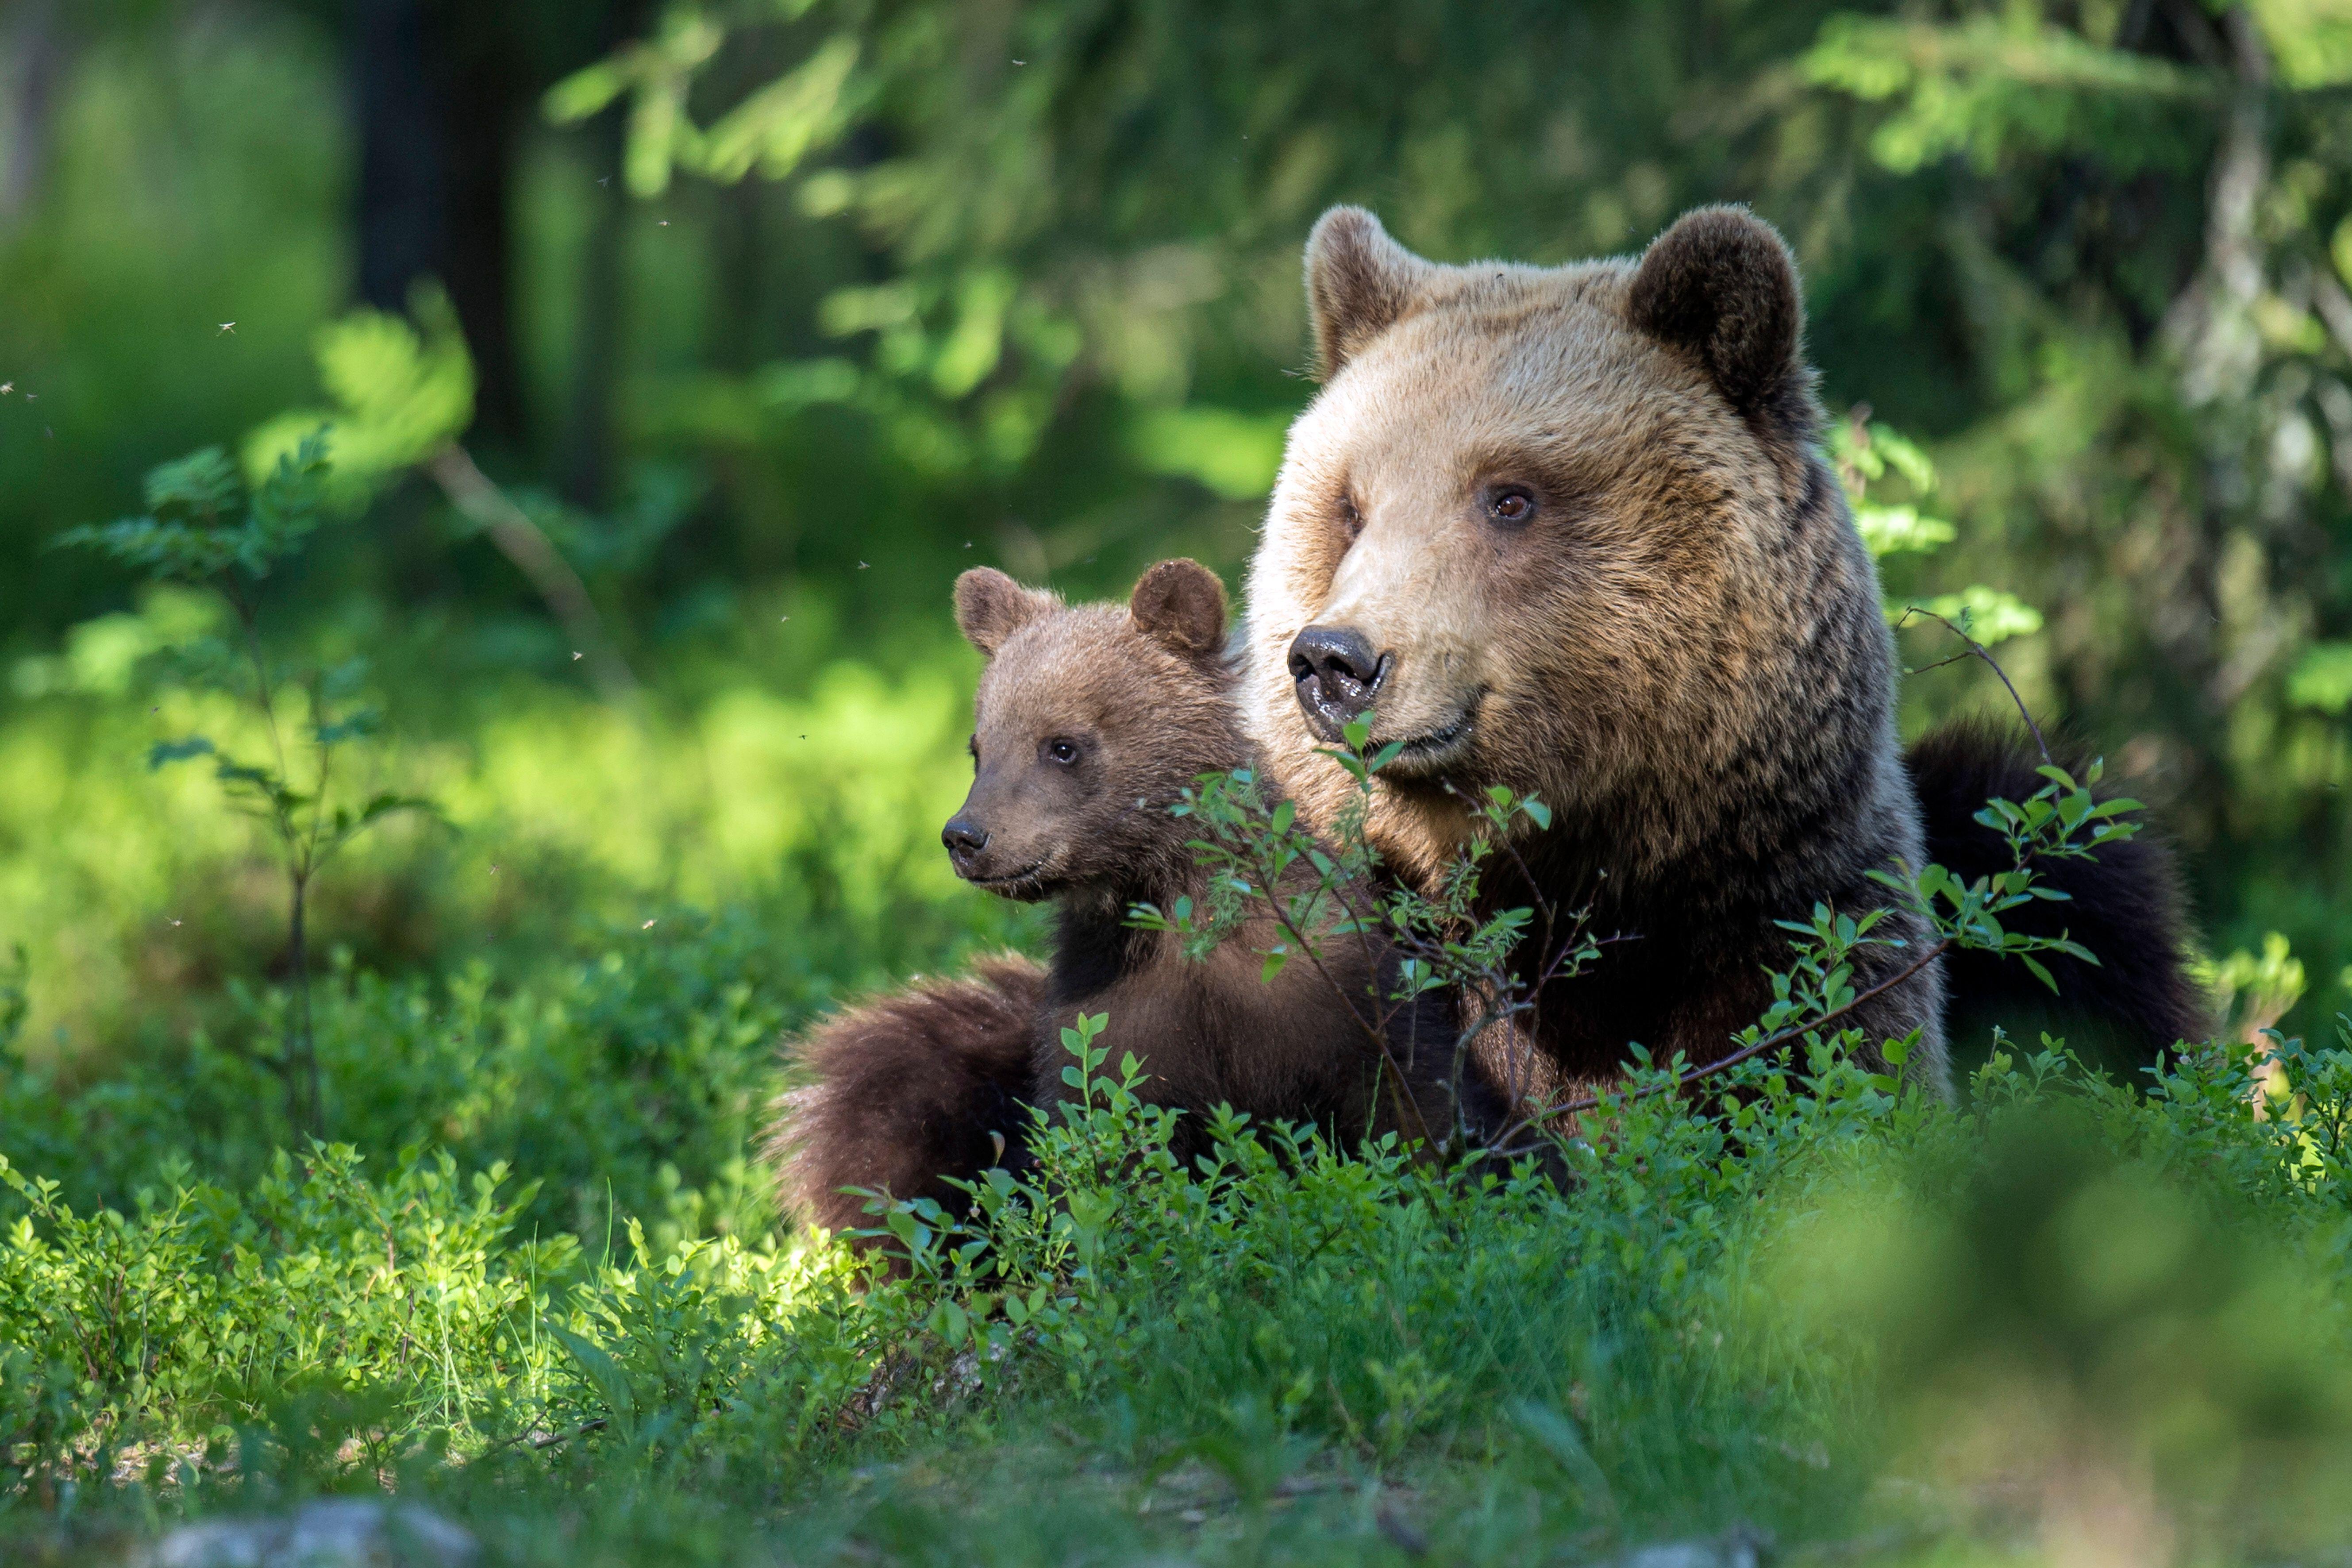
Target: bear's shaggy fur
(2126,906)
(1569,530)
(1090,722)
(907,1089)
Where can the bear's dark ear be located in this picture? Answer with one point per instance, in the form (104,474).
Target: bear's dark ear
(1181,604)
(1360,283)
(1722,284)
(991,606)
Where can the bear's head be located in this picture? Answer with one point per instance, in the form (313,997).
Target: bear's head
(1564,530)
(1090,721)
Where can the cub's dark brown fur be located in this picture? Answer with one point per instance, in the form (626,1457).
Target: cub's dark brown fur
(907,1089)
(1090,722)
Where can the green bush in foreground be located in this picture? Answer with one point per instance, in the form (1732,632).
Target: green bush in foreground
(1808,1304)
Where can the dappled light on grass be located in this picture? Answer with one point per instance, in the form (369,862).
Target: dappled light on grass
(558,812)
(2098,1324)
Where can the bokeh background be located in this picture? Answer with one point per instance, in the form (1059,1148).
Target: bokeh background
(772,316)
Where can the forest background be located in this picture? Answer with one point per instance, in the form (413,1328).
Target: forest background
(766,319)
(479,485)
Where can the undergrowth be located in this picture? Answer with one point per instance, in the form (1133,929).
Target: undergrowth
(1276,1351)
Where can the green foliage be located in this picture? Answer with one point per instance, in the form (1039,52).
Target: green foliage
(1022,286)
(1867,453)
(898,295)
(399,397)
(201,1308)
(191,534)
(1532,1364)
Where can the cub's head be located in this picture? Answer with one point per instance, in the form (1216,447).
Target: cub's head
(1090,721)
(1560,529)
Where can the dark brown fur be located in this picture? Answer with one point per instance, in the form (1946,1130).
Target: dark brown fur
(2126,906)
(937,1083)
(907,1089)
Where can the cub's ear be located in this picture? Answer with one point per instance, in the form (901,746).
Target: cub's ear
(1360,283)
(991,606)
(1721,284)
(1181,604)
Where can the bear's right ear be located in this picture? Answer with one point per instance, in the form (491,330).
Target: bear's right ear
(1721,284)
(1181,606)
(991,606)
(1360,283)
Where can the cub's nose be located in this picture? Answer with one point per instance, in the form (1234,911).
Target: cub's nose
(1337,674)
(963,837)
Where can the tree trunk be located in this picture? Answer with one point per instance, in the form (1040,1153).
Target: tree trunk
(37,45)
(483,116)
(585,466)
(440,99)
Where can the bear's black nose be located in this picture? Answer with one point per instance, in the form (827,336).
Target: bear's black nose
(963,837)
(1338,673)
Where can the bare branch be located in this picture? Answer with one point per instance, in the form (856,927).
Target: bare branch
(472,493)
(1978,648)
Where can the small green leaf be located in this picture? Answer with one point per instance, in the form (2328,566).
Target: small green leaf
(604,1373)
(164,751)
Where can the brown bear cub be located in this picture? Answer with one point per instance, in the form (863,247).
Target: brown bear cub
(1090,722)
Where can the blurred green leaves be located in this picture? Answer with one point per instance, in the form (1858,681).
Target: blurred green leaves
(2094,1341)
(401,392)
(1988,83)
(1232,454)
(772,130)
(1866,453)
(202,522)
(2311,38)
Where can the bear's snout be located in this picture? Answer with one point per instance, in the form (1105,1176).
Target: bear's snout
(1337,674)
(963,837)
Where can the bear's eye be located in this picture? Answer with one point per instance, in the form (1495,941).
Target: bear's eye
(1510,504)
(1061,752)
(1351,518)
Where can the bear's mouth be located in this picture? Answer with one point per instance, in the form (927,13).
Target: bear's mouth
(1432,749)
(1026,884)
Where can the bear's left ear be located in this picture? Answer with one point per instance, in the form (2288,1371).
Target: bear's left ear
(1721,284)
(991,606)
(1360,283)
(1181,606)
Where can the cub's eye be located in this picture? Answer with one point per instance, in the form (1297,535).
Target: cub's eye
(1061,752)
(1510,504)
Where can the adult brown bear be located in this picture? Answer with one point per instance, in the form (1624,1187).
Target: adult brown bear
(1571,531)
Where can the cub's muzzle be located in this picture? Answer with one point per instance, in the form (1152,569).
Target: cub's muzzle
(963,837)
